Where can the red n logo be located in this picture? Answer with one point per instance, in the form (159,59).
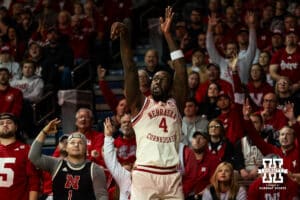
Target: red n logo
(72,182)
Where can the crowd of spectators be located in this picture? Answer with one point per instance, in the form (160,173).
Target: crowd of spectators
(243,69)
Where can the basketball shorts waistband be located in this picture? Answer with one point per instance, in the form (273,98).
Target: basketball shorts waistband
(156,169)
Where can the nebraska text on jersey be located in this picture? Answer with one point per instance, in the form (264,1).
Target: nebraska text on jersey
(162,112)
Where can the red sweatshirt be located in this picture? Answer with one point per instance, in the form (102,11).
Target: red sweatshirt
(205,171)
(11,101)
(190,171)
(18,175)
(256,94)
(232,124)
(202,89)
(126,149)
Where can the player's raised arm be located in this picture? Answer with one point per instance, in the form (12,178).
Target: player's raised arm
(133,95)
(179,88)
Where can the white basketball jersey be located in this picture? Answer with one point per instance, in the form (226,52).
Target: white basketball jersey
(158,129)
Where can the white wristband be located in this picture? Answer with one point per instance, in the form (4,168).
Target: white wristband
(176,54)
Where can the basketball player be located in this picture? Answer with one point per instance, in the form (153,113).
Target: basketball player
(156,119)
(18,177)
(73,177)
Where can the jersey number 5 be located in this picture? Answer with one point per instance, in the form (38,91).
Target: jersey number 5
(163,125)
(6,174)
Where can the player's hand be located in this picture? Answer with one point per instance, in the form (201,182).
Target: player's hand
(51,127)
(108,127)
(117,29)
(165,24)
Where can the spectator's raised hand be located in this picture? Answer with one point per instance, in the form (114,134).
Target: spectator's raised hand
(108,127)
(51,127)
(117,29)
(212,21)
(250,19)
(247,109)
(165,23)
(288,111)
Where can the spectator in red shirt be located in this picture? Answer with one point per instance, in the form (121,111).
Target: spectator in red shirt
(257,86)
(285,62)
(118,106)
(273,117)
(11,99)
(230,118)
(204,162)
(21,180)
(219,147)
(213,71)
(126,143)
(188,169)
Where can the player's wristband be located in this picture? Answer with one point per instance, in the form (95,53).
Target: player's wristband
(44,132)
(176,54)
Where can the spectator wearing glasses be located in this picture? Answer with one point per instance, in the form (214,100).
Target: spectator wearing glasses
(273,117)
(219,147)
(284,95)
